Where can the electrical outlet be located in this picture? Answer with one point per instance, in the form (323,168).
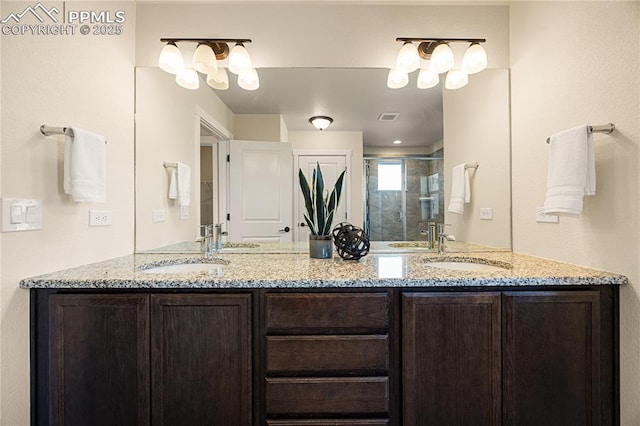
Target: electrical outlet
(545,218)
(99,217)
(184,212)
(486,213)
(158,215)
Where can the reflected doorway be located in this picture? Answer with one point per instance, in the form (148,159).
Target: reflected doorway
(402,195)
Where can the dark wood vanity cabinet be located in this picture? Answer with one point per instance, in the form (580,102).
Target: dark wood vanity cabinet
(140,359)
(374,357)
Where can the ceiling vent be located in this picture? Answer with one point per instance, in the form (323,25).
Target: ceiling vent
(388,116)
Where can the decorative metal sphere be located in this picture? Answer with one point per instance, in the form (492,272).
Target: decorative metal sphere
(351,242)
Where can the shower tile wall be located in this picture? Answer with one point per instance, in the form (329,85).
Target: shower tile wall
(385,209)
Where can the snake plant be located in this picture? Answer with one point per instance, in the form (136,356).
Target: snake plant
(320,205)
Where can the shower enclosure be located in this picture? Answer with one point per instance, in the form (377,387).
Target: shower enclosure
(401,196)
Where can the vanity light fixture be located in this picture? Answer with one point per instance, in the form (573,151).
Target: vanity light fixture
(440,57)
(321,122)
(205,60)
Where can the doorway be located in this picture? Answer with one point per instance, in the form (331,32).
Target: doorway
(402,195)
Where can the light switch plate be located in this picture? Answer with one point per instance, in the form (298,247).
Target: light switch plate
(545,218)
(158,215)
(21,214)
(184,212)
(486,213)
(99,217)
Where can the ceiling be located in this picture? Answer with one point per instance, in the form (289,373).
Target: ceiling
(353,97)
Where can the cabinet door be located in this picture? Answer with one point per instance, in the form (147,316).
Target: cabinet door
(201,359)
(99,359)
(451,359)
(552,358)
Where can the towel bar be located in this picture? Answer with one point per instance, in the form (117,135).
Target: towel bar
(605,128)
(471,166)
(49,130)
(166,164)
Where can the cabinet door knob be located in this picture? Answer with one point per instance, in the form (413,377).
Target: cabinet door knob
(303,224)
(286,229)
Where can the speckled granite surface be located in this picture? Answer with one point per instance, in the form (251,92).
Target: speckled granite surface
(297,270)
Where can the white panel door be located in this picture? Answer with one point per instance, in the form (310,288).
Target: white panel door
(260,196)
(331,166)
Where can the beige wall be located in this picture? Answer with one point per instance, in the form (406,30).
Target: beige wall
(260,127)
(84,81)
(579,63)
(328,140)
(476,130)
(167,129)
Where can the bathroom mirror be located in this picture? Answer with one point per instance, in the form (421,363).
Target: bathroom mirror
(172,123)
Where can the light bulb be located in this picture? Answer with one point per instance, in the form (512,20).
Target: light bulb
(249,80)
(474,59)
(408,59)
(170,59)
(427,78)
(456,79)
(204,60)
(442,59)
(219,80)
(397,79)
(188,78)
(239,60)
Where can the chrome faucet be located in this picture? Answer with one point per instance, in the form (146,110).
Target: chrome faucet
(430,232)
(207,234)
(442,237)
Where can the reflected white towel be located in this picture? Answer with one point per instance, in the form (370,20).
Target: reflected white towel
(460,189)
(85,165)
(180,184)
(571,172)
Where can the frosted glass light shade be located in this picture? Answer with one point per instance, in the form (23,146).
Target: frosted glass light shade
(188,78)
(408,59)
(474,59)
(321,122)
(397,79)
(218,80)
(456,79)
(170,59)
(239,60)
(249,80)
(427,78)
(204,60)
(442,59)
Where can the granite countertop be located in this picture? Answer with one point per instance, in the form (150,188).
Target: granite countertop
(297,270)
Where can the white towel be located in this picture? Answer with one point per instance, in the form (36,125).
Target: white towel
(85,165)
(460,189)
(571,172)
(180,184)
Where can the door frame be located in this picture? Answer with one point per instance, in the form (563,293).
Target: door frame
(346,194)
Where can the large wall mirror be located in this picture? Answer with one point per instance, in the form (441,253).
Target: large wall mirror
(441,129)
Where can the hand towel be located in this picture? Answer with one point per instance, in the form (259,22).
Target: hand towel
(460,189)
(173,184)
(571,171)
(85,165)
(184,184)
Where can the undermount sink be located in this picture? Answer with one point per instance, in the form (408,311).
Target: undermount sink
(468,264)
(185,267)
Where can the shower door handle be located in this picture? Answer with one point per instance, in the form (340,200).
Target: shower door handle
(400,216)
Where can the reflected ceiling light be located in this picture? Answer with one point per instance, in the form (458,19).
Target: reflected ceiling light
(397,79)
(219,80)
(188,78)
(427,78)
(474,59)
(239,59)
(248,80)
(205,57)
(321,122)
(408,59)
(441,59)
(170,59)
(456,79)
(397,142)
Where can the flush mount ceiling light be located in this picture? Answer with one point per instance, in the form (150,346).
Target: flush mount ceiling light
(441,60)
(205,60)
(321,122)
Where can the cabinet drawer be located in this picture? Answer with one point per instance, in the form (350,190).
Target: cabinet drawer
(327,312)
(354,395)
(331,422)
(327,353)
